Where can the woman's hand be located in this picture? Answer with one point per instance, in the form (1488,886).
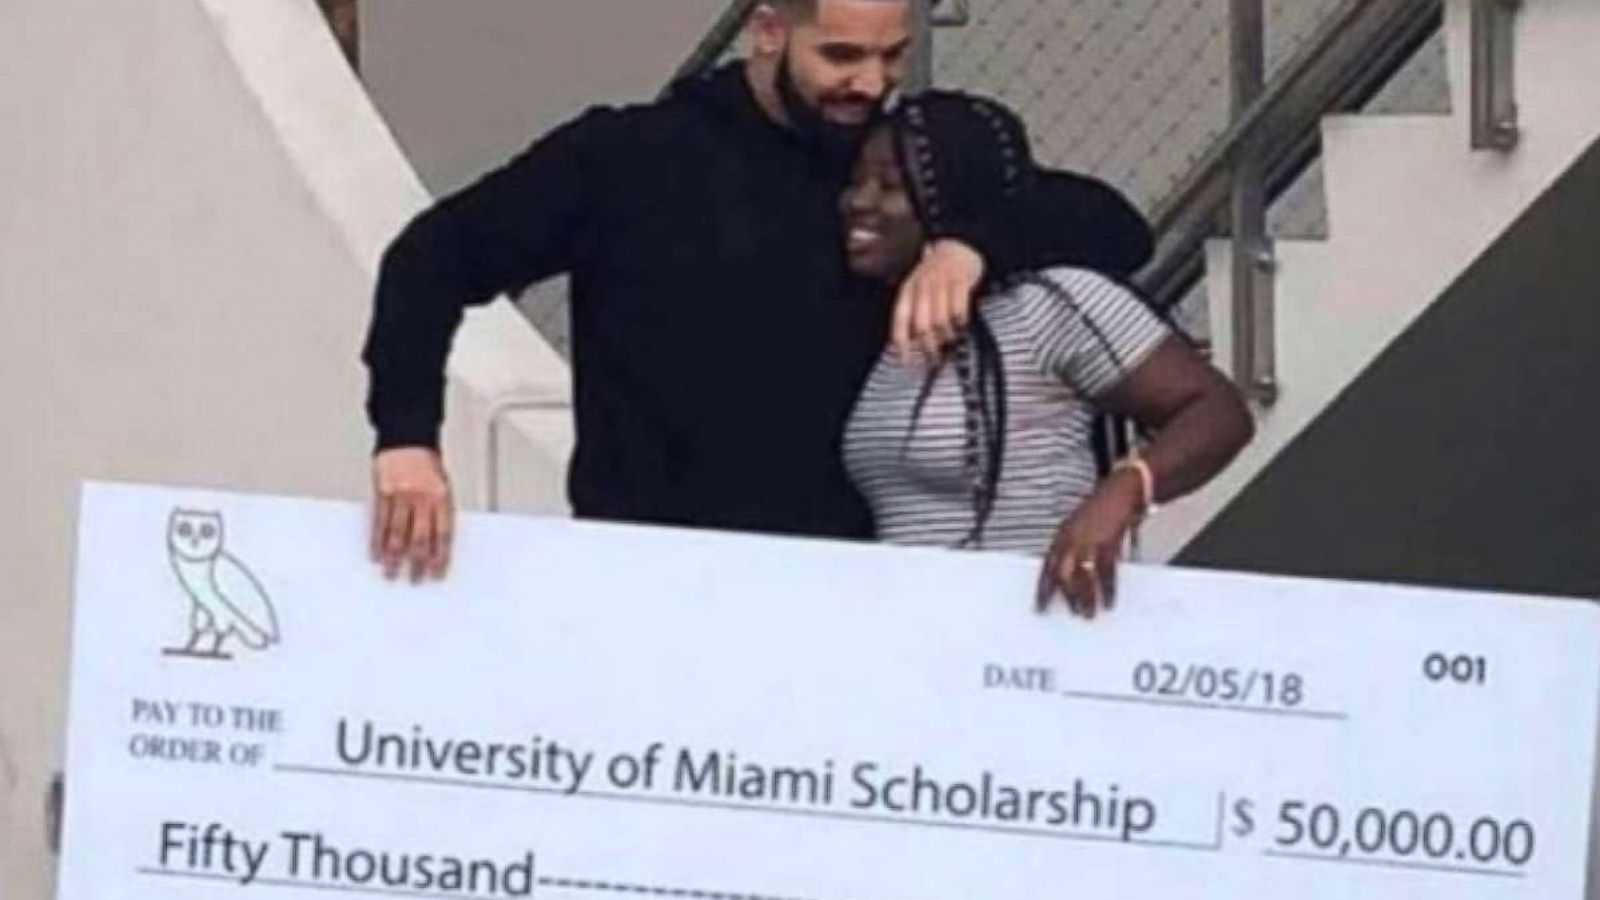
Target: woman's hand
(1082,562)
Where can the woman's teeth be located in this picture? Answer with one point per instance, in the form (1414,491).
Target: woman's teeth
(860,237)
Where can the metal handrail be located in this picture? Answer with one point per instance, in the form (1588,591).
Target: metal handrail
(1330,73)
(724,31)
(1271,140)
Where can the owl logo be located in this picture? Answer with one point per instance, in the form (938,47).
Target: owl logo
(226,599)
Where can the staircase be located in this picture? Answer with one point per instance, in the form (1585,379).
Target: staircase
(1411,205)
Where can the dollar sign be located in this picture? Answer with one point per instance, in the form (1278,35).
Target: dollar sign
(1244,820)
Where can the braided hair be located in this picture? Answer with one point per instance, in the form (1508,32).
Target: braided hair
(961,155)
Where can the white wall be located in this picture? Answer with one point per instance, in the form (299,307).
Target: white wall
(466,84)
(196,195)
(177,308)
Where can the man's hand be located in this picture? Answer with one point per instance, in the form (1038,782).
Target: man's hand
(1082,563)
(413,514)
(935,301)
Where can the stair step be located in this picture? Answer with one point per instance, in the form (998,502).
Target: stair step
(1410,207)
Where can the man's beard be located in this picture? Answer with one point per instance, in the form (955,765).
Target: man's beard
(835,139)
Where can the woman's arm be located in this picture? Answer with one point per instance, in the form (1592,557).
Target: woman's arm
(1199,421)
(1198,418)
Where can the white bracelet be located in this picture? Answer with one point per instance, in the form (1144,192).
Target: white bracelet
(1147,481)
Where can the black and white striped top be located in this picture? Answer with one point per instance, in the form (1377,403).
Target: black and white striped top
(1055,366)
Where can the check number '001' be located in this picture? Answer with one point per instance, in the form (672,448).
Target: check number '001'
(1458,668)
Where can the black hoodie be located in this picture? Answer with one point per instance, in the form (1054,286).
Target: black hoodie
(718,341)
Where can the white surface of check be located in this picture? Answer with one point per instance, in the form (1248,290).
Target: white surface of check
(587,711)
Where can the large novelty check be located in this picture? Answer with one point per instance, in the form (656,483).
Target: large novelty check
(588,711)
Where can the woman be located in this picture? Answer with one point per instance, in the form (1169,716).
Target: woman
(988,447)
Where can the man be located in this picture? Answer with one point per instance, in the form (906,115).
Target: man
(717,342)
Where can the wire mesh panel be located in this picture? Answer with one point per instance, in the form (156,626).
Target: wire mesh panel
(1136,91)
(1133,91)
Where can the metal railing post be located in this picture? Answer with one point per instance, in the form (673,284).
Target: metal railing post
(1254,351)
(919,77)
(1494,65)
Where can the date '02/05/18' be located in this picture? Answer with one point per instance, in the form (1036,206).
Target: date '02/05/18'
(1244,688)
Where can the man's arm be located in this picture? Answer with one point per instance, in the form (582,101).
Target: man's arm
(513,227)
(1061,219)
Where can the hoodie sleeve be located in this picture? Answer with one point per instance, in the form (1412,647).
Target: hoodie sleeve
(517,225)
(1063,220)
